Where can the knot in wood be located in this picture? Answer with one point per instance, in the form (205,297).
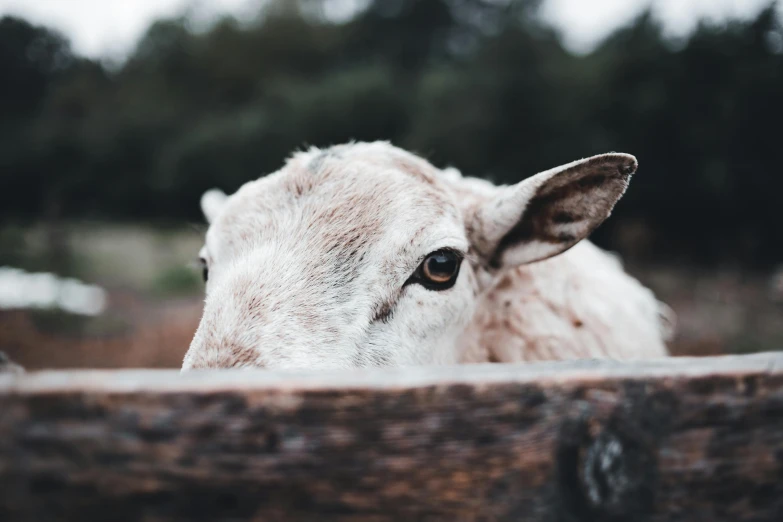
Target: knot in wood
(607,466)
(618,476)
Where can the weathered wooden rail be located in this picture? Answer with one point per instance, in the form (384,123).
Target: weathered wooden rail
(670,440)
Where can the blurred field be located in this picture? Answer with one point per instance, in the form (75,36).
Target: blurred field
(153,287)
(155,300)
(719,311)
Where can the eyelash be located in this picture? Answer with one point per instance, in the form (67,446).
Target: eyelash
(204,269)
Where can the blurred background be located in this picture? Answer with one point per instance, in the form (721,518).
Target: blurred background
(115,117)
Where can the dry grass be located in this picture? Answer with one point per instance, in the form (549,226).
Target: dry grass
(156,339)
(720,311)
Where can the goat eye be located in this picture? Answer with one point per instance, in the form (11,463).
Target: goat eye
(440,269)
(204,269)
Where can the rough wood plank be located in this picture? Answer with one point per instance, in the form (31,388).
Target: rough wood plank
(669,440)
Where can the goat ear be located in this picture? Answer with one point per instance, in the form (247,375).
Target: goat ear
(212,202)
(550,212)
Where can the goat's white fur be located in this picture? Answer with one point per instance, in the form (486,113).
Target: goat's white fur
(307,267)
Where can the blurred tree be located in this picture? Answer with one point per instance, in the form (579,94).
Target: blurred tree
(483,85)
(31,58)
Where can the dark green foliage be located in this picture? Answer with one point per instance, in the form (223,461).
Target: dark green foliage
(483,86)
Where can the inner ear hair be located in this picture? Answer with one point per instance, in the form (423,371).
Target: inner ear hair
(567,204)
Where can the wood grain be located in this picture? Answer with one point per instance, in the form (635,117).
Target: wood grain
(669,440)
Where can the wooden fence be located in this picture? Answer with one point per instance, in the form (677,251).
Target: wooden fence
(670,440)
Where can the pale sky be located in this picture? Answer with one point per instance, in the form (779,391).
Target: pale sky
(110,28)
(585,22)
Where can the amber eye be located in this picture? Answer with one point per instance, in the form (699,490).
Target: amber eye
(204,269)
(439,270)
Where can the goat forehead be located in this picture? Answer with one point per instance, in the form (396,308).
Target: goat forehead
(336,205)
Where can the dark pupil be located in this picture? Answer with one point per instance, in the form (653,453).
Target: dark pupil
(442,265)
